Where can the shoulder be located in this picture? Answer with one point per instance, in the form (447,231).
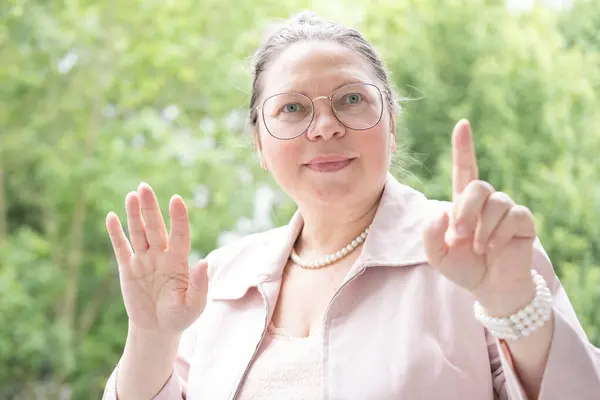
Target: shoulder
(409,198)
(409,207)
(255,247)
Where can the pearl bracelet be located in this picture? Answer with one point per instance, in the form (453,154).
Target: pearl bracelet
(525,321)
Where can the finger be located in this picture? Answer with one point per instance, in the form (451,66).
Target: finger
(179,238)
(156,232)
(464,162)
(468,207)
(197,287)
(434,239)
(135,224)
(522,246)
(496,207)
(120,244)
(518,223)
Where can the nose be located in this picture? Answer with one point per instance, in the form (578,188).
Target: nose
(324,125)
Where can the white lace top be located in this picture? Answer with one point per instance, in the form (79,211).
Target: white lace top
(286,368)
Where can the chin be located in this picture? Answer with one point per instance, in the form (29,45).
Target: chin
(344,187)
(332,190)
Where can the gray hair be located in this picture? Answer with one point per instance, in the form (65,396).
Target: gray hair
(307,26)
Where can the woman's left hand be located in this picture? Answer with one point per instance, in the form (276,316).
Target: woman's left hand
(485,243)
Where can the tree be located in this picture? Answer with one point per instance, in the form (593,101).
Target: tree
(98,96)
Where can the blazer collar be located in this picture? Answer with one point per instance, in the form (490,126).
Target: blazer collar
(394,240)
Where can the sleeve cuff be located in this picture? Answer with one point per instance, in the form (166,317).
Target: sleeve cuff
(170,391)
(573,367)
(578,378)
(110,390)
(513,384)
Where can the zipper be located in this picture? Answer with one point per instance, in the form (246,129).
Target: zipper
(239,385)
(360,271)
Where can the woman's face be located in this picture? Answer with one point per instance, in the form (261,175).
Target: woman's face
(329,163)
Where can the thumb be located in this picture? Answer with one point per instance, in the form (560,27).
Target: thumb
(197,287)
(434,239)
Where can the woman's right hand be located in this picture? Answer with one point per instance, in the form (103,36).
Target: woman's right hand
(161,294)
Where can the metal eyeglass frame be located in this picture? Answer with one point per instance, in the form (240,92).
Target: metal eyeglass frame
(330,98)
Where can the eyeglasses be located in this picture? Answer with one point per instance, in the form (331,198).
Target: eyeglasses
(357,106)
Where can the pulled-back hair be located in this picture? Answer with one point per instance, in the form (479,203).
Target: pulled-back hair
(308,26)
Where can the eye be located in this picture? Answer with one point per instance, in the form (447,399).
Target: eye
(292,107)
(353,98)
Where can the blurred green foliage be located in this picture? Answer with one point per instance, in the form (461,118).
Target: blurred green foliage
(98,96)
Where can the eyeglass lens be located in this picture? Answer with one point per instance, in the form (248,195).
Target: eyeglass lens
(357,106)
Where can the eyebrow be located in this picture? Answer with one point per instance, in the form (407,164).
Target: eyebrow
(291,89)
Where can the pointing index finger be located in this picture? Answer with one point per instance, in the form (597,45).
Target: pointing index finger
(464,162)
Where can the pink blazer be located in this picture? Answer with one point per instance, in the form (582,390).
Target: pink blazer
(396,329)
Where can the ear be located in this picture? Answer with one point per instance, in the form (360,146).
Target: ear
(258,144)
(263,163)
(393,134)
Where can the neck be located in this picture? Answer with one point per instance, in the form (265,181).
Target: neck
(327,229)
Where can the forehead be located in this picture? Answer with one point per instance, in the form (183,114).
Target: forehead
(315,68)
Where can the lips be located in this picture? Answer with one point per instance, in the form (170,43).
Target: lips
(329,163)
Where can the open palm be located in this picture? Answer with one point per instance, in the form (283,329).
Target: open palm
(159,290)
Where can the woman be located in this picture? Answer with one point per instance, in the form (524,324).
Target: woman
(425,300)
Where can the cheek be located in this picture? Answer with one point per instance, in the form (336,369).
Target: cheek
(376,146)
(280,155)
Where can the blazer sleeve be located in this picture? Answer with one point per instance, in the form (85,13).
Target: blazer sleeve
(175,388)
(573,366)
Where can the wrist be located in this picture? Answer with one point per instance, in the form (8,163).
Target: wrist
(514,317)
(147,363)
(151,335)
(156,346)
(508,303)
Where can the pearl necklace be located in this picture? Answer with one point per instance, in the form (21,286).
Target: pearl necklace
(330,259)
